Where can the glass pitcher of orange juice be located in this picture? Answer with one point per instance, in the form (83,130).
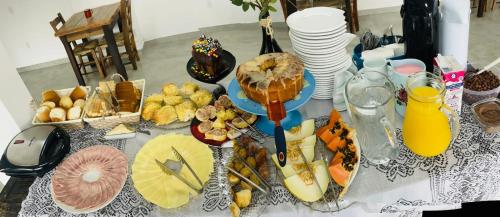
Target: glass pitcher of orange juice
(429,125)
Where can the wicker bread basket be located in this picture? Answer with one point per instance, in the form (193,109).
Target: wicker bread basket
(112,121)
(69,124)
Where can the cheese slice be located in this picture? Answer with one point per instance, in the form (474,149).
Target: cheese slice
(120,132)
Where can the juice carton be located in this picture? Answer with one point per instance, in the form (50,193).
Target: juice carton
(453,75)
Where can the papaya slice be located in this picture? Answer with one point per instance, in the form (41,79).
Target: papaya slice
(330,133)
(342,164)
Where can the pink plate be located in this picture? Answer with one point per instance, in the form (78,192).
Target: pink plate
(89,179)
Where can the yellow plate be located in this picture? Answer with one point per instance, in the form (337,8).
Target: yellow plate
(166,190)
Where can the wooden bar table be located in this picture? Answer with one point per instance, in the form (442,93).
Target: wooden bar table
(78,27)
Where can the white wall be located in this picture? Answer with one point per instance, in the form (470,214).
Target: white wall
(377,4)
(26,32)
(15,109)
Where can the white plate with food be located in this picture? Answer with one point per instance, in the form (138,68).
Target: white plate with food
(89,179)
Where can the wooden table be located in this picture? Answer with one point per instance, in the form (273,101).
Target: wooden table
(102,22)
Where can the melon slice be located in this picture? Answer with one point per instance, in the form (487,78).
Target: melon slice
(303,186)
(305,129)
(293,154)
(305,142)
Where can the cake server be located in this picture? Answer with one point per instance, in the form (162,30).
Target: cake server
(183,161)
(276,112)
(168,171)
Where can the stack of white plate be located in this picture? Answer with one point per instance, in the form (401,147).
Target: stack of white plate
(319,39)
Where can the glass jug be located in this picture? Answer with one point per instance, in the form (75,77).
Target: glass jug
(429,125)
(370,99)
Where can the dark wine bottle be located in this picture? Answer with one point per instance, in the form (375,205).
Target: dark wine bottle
(269,44)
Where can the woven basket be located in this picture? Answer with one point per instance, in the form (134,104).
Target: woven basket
(113,121)
(70,124)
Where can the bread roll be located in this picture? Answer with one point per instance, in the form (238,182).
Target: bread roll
(65,102)
(50,95)
(42,114)
(78,93)
(165,115)
(74,113)
(80,103)
(57,114)
(49,104)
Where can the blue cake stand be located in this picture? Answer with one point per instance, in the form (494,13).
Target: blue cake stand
(293,117)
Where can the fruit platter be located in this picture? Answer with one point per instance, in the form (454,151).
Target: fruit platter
(321,163)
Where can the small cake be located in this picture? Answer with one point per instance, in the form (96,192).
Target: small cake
(185,111)
(207,53)
(271,77)
(155,98)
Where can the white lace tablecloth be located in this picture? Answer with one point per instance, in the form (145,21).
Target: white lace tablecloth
(468,171)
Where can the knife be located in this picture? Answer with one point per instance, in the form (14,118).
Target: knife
(276,112)
(308,167)
(183,161)
(168,171)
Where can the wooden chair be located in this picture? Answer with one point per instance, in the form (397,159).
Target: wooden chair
(125,38)
(87,48)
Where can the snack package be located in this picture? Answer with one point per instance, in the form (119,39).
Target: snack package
(453,75)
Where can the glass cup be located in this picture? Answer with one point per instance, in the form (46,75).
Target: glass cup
(371,101)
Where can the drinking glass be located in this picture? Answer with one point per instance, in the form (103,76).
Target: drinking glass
(371,101)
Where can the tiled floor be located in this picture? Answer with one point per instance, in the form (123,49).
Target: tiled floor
(165,59)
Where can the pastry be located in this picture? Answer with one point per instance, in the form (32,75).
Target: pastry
(42,114)
(66,102)
(57,114)
(170,89)
(207,53)
(206,113)
(172,100)
(156,98)
(78,93)
(80,103)
(49,104)
(205,126)
(249,118)
(120,129)
(271,77)
(201,97)
(149,110)
(216,134)
(50,95)
(185,111)
(224,101)
(74,113)
(188,88)
(165,115)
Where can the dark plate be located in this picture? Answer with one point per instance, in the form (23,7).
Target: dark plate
(228,61)
(201,136)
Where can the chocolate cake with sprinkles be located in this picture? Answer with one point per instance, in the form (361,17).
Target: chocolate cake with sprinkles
(207,53)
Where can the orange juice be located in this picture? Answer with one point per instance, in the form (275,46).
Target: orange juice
(426,130)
